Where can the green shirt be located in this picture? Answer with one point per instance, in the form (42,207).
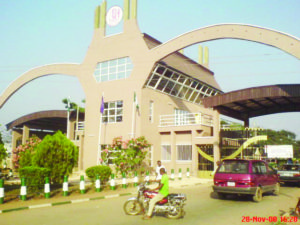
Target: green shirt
(165,188)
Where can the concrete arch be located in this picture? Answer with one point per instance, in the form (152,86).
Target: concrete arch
(285,42)
(47,70)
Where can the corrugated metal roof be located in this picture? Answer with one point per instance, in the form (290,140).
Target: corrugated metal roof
(257,101)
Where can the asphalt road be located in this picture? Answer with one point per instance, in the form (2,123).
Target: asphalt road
(202,208)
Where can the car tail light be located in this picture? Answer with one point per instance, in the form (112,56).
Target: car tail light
(296,174)
(246,182)
(219,181)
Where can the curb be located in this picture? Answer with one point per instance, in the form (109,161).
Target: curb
(90,199)
(65,202)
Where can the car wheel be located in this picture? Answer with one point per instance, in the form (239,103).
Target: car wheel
(221,195)
(277,188)
(258,195)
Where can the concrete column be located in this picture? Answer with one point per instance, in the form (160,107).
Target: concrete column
(216,142)
(25,134)
(72,130)
(173,150)
(15,136)
(195,153)
(80,154)
(246,122)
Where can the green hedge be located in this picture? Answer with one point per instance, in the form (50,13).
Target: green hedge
(104,173)
(35,176)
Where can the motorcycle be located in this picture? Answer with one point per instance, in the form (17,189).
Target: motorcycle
(172,205)
(297,209)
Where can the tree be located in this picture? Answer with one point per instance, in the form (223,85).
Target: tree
(57,153)
(1,141)
(72,105)
(126,155)
(3,153)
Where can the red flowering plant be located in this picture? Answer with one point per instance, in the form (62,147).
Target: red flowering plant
(21,156)
(128,155)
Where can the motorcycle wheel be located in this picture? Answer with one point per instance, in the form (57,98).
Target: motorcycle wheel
(132,207)
(176,213)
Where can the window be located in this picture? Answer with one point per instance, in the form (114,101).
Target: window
(259,168)
(113,69)
(166,152)
(234,167)
(113,112)
(151,111)
(168,81)
(184,152)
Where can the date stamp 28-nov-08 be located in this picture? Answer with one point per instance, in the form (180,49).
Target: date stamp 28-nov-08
(270,219)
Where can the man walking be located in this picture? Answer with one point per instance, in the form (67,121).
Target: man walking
(159,166)
(163,191)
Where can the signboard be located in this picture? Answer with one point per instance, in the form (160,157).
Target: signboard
(114,16)
(279,151)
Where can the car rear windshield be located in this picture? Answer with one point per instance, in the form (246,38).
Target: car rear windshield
(290,167)
(234,167)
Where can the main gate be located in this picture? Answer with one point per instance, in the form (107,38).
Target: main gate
(205,166)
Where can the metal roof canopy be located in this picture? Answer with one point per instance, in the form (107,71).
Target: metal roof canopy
(44,120)
(258,101)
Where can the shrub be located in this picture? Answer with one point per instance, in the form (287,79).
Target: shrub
(3,153)
(104,173)
(27,150)
(35,176)
(25,158)
(58,154)
(128,155)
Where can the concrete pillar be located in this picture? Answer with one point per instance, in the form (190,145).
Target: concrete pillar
(206,57)
(173,150)
(25,134)
(81,150)
(195,153)
(72,130)
(216,142)
(216,147)
(246,122)
(15,136)
(200,54)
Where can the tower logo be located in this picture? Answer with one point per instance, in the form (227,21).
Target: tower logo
(114,16)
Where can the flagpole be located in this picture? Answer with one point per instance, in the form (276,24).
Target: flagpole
(100,129)
(99,141)
(68,115)
(133,112)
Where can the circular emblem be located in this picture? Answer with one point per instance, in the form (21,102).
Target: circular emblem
(114,16)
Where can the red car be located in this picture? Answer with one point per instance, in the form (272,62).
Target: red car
(245,177)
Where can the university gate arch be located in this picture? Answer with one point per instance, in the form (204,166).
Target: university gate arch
(282,41)
(285,42)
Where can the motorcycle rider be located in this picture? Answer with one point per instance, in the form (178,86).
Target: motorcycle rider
(163,191)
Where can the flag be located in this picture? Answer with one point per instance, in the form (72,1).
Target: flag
(135,100)
(102,106)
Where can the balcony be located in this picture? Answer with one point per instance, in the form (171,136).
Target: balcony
(187,119)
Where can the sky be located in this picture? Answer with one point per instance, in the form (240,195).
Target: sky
(36,33)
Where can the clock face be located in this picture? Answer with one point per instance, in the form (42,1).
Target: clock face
(114,16)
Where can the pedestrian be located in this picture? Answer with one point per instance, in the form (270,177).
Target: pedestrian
(163,191)
(159,166)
